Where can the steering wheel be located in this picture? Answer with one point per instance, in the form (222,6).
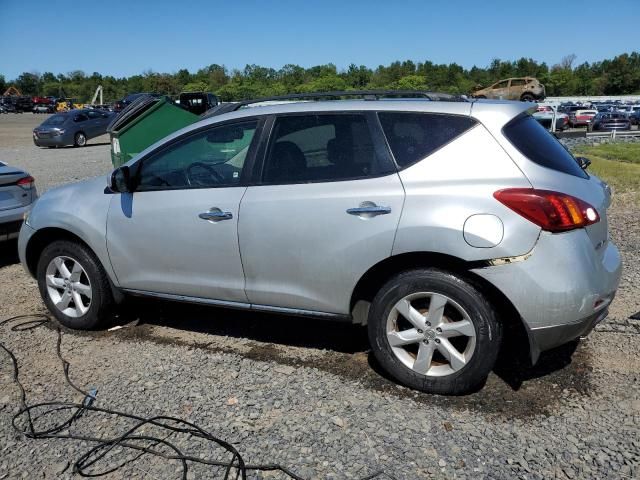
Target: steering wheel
(193,179)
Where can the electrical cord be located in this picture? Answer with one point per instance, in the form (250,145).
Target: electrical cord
(26,419)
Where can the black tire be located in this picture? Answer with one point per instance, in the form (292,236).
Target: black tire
(488,331)
(527,97)
(80,140)
(101,308)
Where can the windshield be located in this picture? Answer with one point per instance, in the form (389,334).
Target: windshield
(55,120)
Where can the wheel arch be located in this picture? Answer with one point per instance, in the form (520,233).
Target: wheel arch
(516,334)
(45,236)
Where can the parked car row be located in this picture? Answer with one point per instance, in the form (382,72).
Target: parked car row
(584,115)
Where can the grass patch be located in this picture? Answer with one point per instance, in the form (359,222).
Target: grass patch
(617,164)
(619,152)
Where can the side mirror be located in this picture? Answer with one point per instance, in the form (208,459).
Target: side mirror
(584,162)
(120,181)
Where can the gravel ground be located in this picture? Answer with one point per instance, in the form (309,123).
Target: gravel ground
(312,398)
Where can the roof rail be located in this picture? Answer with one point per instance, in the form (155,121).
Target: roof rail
(336,95)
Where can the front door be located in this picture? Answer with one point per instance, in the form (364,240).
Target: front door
(325,211)
(500,90)
(178,232)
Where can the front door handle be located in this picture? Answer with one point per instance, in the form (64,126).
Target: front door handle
(215,215)
(368,210)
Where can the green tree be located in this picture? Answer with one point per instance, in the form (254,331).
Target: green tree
(196,87)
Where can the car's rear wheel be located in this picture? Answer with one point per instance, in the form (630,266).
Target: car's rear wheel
(434,331)
(80,139)
(74,286)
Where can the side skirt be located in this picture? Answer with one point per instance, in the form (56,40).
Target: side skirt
(241,306)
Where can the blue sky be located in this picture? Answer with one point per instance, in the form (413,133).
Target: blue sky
(123,38)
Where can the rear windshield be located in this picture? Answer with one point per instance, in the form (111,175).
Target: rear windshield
(539,146)
(55,120)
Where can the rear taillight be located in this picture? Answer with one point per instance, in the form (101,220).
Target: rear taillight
(26,182)
(552,211)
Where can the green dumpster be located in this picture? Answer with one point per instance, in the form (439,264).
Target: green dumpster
(144,122)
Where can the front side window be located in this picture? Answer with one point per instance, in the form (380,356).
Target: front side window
(80,118)
(414,136)
(208,159)
(316,148)
(518,82)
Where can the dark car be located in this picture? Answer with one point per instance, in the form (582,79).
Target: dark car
(23,104)
(634,118)
(7,107)
(610,121)
(198,102)
(122,104)
(71,128)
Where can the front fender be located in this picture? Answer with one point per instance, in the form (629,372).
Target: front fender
(80,209)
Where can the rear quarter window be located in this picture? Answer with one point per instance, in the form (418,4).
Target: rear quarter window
(540,146)
(414,136)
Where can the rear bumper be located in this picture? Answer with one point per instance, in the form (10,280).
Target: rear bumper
(610,128)
(562,289)
(58,141)
(545,338)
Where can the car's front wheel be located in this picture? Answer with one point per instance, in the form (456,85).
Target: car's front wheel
(74,286)
(434,331)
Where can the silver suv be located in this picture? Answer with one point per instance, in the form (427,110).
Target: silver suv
(443,226)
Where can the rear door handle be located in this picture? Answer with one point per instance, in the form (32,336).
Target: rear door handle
(368,210)
(215,215)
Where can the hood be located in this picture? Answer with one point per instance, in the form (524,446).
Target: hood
(89,186)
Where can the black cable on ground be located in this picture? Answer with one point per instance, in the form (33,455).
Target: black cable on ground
(27,417)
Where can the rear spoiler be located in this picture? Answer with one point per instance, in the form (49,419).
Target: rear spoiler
(497,113)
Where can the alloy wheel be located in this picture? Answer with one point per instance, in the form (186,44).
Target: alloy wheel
(68,286)
(431,334)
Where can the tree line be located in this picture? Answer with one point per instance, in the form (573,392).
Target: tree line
(617,76)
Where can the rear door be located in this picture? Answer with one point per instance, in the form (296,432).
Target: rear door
(97,124)
(516,87)
(81,123)
(325,209)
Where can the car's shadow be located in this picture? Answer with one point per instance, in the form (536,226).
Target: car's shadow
(9,253)
(340,337)
(98,144)
(293,331)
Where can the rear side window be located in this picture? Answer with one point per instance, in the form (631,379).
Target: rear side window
(322,148)
(539,146)
(414,136)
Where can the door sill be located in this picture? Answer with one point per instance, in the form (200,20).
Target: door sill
(240,305)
